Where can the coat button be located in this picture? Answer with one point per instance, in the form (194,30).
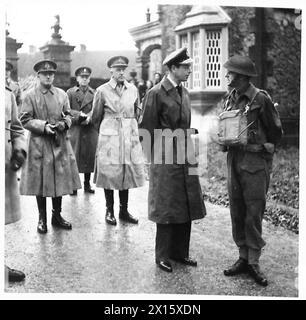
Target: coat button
(9,121)
(9,141)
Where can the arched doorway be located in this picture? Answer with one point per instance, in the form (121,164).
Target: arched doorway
(151,61)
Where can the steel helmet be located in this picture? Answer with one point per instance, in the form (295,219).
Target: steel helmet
(242,65)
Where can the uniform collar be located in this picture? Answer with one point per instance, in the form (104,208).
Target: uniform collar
(250,92)
(172,82)
(77,88)
(113,83)
(167,84)
(43,90)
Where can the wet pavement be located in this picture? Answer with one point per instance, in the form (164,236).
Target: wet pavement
(98,258)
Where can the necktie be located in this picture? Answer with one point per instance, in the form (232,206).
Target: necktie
(179,90)
(119,88)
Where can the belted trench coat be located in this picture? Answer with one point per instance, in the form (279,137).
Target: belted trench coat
(119,161)
(50,169)
(14,140)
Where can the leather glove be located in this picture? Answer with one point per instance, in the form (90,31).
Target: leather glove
(85,122)
(17,159)
(49,129)
(82,117)
(60,126)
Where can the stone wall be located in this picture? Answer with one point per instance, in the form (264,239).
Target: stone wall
(170,17)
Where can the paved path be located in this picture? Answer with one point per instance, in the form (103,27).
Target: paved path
(97,258)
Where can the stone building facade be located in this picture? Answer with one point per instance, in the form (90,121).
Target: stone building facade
(270,36)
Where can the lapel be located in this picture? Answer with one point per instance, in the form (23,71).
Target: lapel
(171,90)
(88,98)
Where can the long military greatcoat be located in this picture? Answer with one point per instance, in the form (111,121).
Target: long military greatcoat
(83,137)
(119,160)
(175,195)
(50,169)
(14,140)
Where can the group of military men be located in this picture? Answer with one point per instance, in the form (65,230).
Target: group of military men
(87,130)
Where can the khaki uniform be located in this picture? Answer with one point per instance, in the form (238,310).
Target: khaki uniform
(83,138)
(249,170)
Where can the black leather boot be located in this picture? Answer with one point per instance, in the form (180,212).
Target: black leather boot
(42,220)
(57,220)
(257,274)
(124,215)
(87,187)
(109,216)
(240,266)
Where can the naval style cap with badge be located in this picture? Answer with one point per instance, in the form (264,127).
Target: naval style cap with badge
(118,61)
(83,71)
(178,57)
(45,66)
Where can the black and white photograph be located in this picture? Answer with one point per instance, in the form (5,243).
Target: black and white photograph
(152,150)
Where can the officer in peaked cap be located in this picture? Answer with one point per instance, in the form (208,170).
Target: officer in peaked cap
(115,113)
(83,71)
(45,112)
(45,66)
(177,194)
(12,85)
(118,61)
(83,136)
(249,166)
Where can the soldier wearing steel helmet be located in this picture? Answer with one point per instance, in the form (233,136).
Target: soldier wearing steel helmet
(249,166)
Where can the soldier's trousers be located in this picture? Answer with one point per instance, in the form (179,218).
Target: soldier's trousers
(172,241)
(248,181)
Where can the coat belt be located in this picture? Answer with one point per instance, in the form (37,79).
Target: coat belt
(118,116)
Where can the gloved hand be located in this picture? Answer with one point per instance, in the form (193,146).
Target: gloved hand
(60,126)
(85,122)
(49,129)
(82,117)
(17,159)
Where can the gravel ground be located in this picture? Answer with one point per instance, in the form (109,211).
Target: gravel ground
(97,258)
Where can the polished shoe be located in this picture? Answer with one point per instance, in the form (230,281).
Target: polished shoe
(58,221)
(164,265)
(87,189)
(110,218)
(14,275)
(257,275)
(186,261)
(124,215)
(240,266)
(74,193)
